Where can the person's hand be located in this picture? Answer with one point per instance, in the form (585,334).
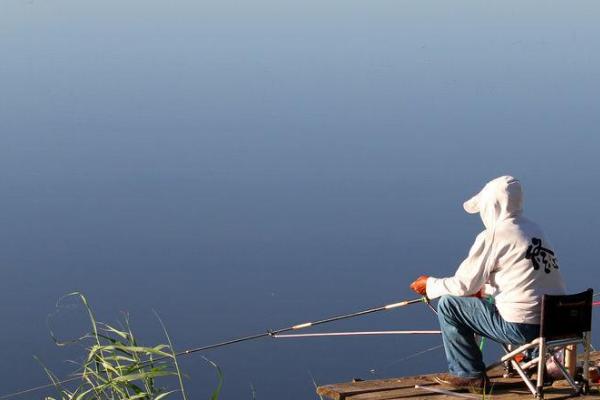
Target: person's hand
(420,285)
(480,294)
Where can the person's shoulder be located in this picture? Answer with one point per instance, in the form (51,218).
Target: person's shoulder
(522,233)
(517,231)
(529,227)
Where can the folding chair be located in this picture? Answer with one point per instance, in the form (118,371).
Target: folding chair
(565,320)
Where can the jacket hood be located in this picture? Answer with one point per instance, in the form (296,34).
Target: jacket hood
(499,199)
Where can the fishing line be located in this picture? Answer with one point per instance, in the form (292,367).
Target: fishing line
(408,357)
(268,333)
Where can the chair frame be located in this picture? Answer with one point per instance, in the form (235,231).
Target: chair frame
(547,347)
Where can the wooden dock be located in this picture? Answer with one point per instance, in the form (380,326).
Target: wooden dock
(404,388)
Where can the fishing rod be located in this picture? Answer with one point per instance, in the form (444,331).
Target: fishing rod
(269,333)
(304,325)
(365,333)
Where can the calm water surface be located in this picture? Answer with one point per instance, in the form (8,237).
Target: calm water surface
(238,166)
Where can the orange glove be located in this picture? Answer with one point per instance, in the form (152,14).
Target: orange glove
(420,285)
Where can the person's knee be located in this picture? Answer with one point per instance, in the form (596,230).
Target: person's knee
(446,305)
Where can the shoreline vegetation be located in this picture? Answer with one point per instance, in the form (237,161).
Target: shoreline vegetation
(118,367)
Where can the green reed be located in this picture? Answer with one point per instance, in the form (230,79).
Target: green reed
(118,367)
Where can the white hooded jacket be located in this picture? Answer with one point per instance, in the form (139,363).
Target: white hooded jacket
(511,259)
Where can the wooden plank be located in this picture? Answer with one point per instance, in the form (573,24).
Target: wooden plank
(404,388)
(512,394)
(409,389)
(512,386)
(341,391)
(503,391)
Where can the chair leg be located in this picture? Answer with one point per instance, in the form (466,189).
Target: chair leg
(517,367)
(508,367)
(567,375)
(541,368)
(586,362)
(524,377)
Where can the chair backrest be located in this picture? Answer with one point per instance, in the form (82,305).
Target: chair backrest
(567,315)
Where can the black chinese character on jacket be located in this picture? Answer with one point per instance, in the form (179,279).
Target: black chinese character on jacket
(540,255)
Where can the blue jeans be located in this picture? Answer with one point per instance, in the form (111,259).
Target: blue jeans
(463,317)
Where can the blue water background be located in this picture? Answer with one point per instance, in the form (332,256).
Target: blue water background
(238,166)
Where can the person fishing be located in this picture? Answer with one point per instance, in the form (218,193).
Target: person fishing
(511,261)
